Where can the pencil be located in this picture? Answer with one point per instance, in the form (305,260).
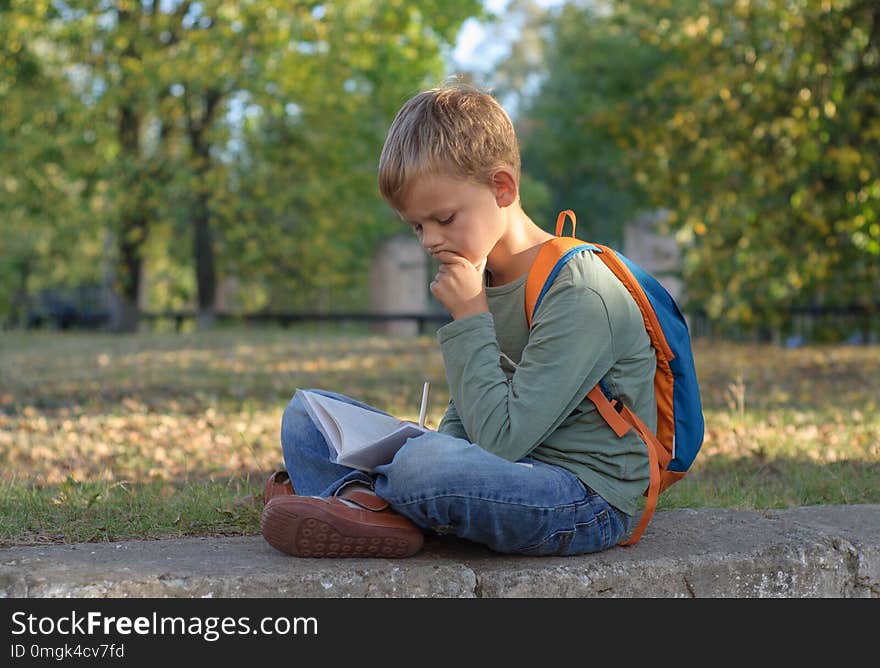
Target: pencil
(424,409)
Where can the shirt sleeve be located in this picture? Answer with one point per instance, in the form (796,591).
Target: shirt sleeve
(569,350)
(451,423)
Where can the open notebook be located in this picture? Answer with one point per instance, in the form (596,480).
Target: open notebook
(360,438)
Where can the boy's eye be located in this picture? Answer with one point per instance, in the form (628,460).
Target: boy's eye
(447,221)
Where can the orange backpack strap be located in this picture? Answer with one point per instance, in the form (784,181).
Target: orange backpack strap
(652,324)
(621,419)
(663,378)
(658,459)
(658,455)
(552,256)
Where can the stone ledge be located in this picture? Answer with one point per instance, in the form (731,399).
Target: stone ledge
(815,551)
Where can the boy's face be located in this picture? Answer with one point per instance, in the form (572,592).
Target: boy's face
(455,215)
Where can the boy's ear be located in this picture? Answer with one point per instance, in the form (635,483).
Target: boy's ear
(506,189)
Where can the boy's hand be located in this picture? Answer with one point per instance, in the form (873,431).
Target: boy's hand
(459,285)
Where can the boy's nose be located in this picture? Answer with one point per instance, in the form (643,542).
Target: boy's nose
(430,238)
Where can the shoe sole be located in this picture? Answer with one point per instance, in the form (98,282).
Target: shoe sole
(307,530)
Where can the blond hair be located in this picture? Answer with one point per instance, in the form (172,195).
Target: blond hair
(456,130)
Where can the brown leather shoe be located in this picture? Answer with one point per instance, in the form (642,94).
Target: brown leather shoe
(355,524)
(278,484)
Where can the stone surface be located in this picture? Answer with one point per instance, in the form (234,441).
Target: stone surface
(821,552)
(399,284)
(656,252)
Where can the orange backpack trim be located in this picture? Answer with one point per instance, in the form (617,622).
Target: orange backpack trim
(619,417)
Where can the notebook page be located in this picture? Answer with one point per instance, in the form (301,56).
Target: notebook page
(327,425)
(357,426)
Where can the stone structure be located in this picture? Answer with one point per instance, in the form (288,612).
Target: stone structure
(398,284)
(656,252)
(808,552)
(229,295)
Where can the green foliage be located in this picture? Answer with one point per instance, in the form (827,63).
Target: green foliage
(311,161)
(593,67)
(757,125)
(754,124)
(47,196)
(765,141)
(262,119)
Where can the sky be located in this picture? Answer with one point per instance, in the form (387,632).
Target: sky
(472,38)
(478,48)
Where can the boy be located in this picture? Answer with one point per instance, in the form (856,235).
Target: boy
(522,462)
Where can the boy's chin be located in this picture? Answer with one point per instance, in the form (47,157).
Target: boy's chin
(473,260)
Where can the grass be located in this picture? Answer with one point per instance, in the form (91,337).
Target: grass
(106,438)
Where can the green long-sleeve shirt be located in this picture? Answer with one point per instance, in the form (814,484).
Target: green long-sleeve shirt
(517,392)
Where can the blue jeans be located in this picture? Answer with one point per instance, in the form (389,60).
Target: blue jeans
(449,485)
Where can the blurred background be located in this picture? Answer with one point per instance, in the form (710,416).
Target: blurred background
(166,161)
(191,229)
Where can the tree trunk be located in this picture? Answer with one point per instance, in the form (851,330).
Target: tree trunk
(131,264)
(203,238)
(203,249)
(132,224)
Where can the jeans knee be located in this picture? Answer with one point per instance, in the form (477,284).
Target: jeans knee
(292,411)
(421,466)
(295,423)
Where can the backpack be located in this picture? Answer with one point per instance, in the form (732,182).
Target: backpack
(680,426)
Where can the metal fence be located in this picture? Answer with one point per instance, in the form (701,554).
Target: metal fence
(854,324)
(287,319)
(800,325)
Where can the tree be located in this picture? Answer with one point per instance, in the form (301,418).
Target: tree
(755,124)
(111,53)
(308,214)
(588,67)
(320,84)
(161,86)
(764,140)
(48,189)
